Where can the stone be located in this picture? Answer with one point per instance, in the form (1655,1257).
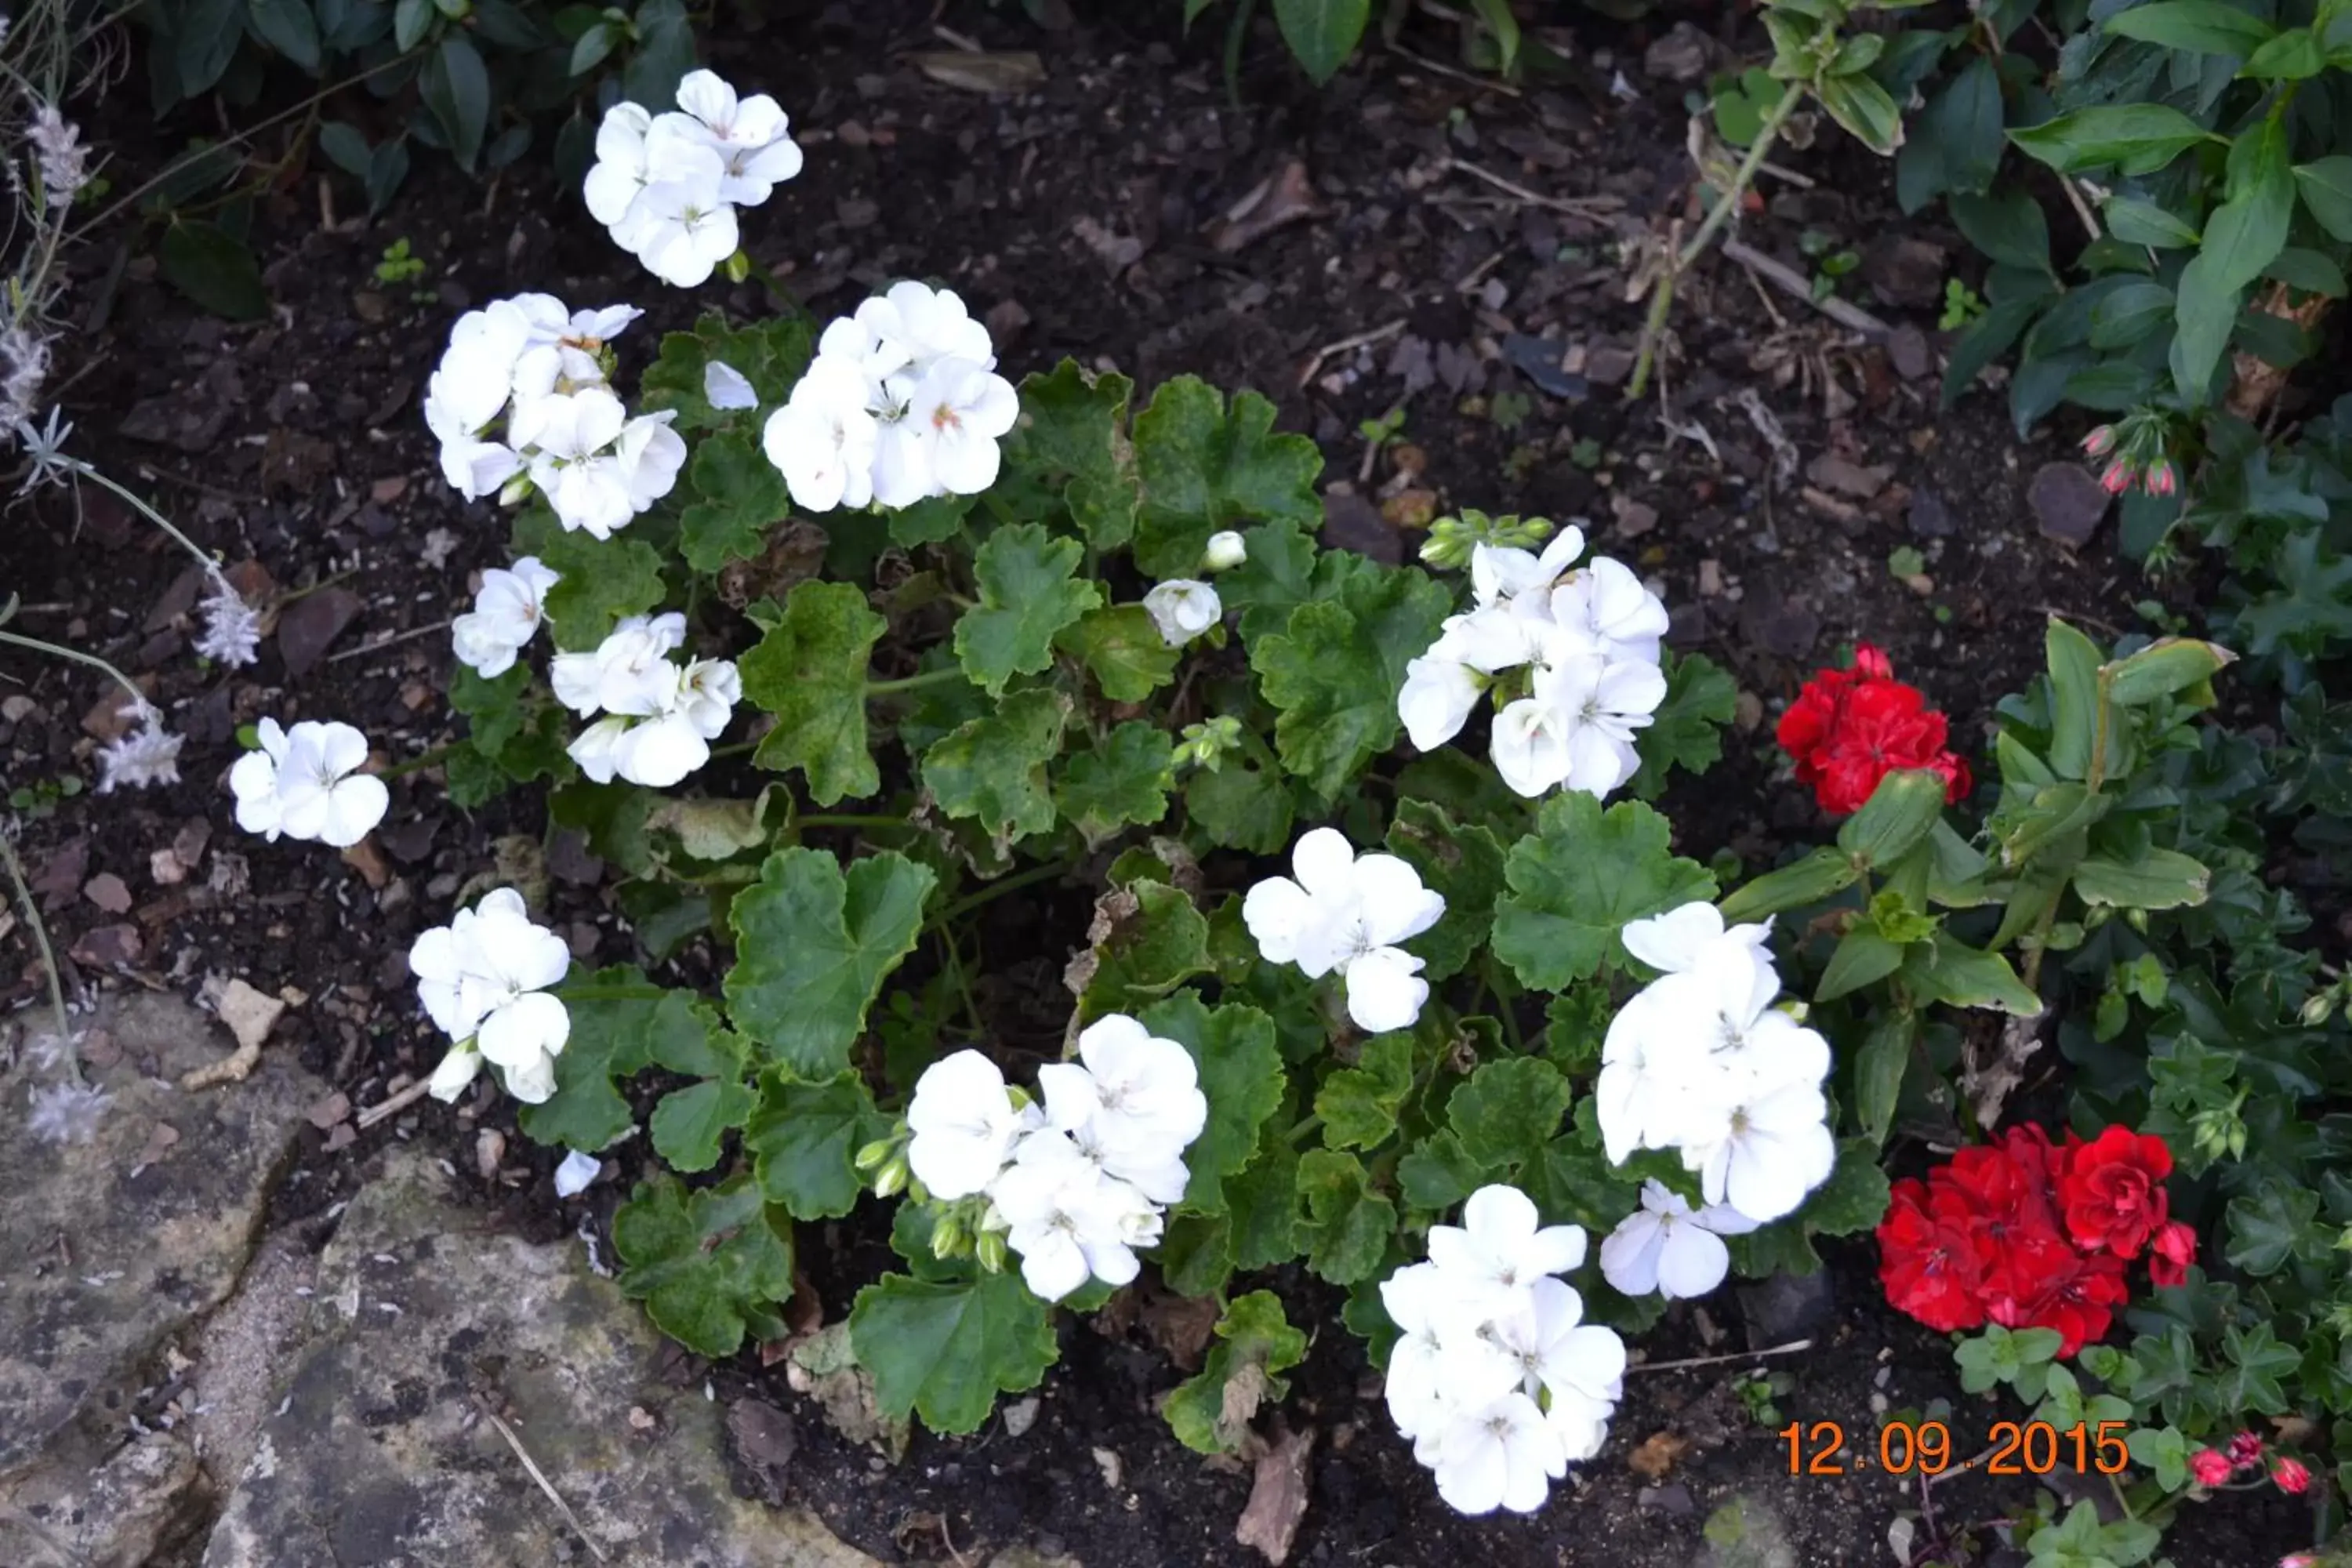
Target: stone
(137,1506)
(1681,54)
(2068,504)
(385,1449)
(1903,271)
(111,1252)
(309,626)
(1907,352)
(1930,516)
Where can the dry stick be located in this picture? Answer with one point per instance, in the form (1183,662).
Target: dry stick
(1576,206)
(1844,313)
(377,646)
(552,1495)
(2082,209)
(1476,82)
(1345,345)
(395,1106)
(1789,1349)
(66,1049)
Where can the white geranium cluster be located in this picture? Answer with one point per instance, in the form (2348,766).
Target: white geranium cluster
(1700,1061)
(546,368)
(660,716)
(667,184)
(1499,1381)
(507,613)
(483,978)
(1076,1185)
(1588,639)
(1344,915)
(305,783)
(902,403)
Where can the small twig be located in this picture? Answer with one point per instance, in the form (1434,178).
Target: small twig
(552,1495)
(1576,206)
(408,635)
(1477,275)
(1763,298)
(1505,88)
(393,1106)
(1844,313)
(1789,1349)
(1346,346)
(2082,208)
(945,35)
(1787,176)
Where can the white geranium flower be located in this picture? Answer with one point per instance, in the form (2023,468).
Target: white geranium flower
(751,135)
(1346,914)
(648,457)
(726,388)
(1489,640)
(1531,751)
(1606,605)
(1666,1246)
(1604,705)
(1438,697)
(253,779)
(1182,609)
(460,1066)
(1501,575)
(566,436)
(964,1125)
(913,326)
(507,612)
(1442,1360)
(1679,940)
(964,409)
(304,783)
(659,752)
(1226,550)
(707,694)
(622,170)
(1500,1455)
(1502,1247)
(824,440)
(1551,1347)
(1131,1104)
(483,977)
(1068,1220)
(680,225)
(598,749)
(1768,1143)
(630,672)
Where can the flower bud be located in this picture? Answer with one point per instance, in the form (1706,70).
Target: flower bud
(2317,1009)
(2160,481)
(739,267)
(990,1249)
(871,1157)
(1448,546)
(893,1179)
(2117,478)
(517,490)
(1226,551)
(947,1238)
(2100,441)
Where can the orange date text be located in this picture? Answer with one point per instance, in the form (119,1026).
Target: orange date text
(1925,1448)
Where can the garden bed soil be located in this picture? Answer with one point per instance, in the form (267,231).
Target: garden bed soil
(1091,216)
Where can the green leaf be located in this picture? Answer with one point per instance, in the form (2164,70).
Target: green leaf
(1072,441)
(804,1138)
(1124,780)
(2137,222)
(2198,26)
(1264,1203)
(1241,806)
(689,1123)
(1856,100)
(2151,879)
(1508,1110)
(1855,1198)
(771,354)
(455,87)
(1686,730)
(2326,185)
(1958,143)
(2257,1360)
(614,1037)
(2007,225)
(410,18)
(2136,138)
(1124,649)
(1578,879)
(1146,940)
(708,1264)
(1896,818)
(2165,666)
(1464,864)
(1280,575)
(1335,672)
(1027,596)
(1347,1225)
(214,269)
(1358,1104)
(2164,1451)
(1946,970)
(2272,1225)
(2243,236)
(1863,958)
(1242,1077)
(1206,468)
(2074,698)
(289,27)
(1809,881)
(1210,1411)
(738,496)
(946,1349)
(604,580)
(1438,1173)
(992,769)
(812,948)
(1879,1070)
(494,708)
(2292,56)
(1322,34)
(809,670)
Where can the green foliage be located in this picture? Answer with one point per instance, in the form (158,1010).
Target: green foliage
(708,1265)
(945,1349)
(814,946)
(1027,598)
(1210,1411)
(808,671)
(1578,879)
(1335,671)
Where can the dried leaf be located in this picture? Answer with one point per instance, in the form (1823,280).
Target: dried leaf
(1002,71)
(1657,1455)
(1277,200)
(1277,1497)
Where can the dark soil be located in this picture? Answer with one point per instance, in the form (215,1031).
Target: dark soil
(1079,216)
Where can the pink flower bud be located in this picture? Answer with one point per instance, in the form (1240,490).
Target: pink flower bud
(2246,1448)
(2161,481)
(2292,1476)
(2210,1466)
(2117,479)
(2100,441)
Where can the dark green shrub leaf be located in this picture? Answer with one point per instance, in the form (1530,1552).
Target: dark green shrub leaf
(992,769)
(708,1264)
(945,1349)
(812,948)
(2136,138)
(1072,442)
(1146,940)
(809,670)
(1122,781)
(1322,34)
(737,496)
(1123,648)
(1027,597)
(804,1138)
(1335,671)
(1358,1104)
(1347,1225)
(1508,1110)
(1578,878)
(214,269)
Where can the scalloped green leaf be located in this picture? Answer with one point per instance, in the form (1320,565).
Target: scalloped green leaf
(709,1266)
(1241,1077)
(1123,781)
(1335,671)
(1210,1411)
(739,495)
(992,769)
(803,1139)
(1508,1110)
(615,1037)
(771,354)
(1577,880)
(1146,940)
(1071,440)
(1347,1225)
(1465,863)
(946,1349)
(602,581)
(1358,1104)
(1206,467)
(1028,595)
(1123,649)
(810,672)
(812,948)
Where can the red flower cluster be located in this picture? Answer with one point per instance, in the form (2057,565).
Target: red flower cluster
(1850,728)
(2033,1235)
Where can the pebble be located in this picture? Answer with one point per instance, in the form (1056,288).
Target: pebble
(2068,504)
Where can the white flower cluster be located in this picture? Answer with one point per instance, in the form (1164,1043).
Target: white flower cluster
(24,367)
(1499,1381)
(1700,1061)
(57,147)
(544,366)
(305,783)
(667,184)
(902,403)
(483,978)
(232,634)
(507,613)
(1077,1184)
(1666,1246)
(1588,639)
(145,753)
(661,716)
(1344,915)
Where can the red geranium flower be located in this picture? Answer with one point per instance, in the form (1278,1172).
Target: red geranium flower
(2042,1282)
(1928,1264)
(2113,1192)
(2170,1251)
(1850,728)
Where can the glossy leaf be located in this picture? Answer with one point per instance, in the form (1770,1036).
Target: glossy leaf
(709,1266)
(945,1349)
(812,948)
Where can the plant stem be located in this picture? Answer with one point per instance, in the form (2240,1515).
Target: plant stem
(71,1056)
(138,698)
(837,820)
(1506,994)
(204,557)
(911,682)
(1306,1124)
(998,890)
(1726,203)
(608,993)
(417,763)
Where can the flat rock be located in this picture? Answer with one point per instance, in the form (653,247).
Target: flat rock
(384,1452)
(120,1242)
(131,1510)
(2068,504)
